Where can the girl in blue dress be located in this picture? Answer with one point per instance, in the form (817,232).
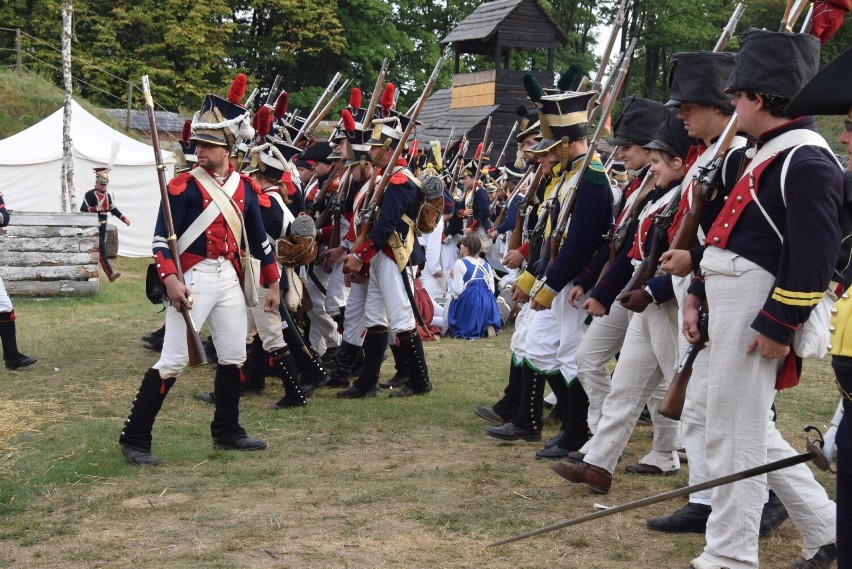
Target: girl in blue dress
(473,309)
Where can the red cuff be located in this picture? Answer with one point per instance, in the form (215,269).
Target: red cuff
(525,250)
(269,274)
(365,251)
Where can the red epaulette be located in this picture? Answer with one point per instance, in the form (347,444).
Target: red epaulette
(177,185)
(262,198)
(254,185)
(398,179)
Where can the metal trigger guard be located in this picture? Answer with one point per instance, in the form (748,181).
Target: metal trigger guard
(815,447)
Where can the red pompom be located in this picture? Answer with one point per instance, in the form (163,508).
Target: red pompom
(238,89)
(387,98)
(348,121)
(355,98)
(264,117)
(281,105)
(187,131)
(478,151)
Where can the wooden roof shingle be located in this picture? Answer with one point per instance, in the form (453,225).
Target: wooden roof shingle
(484,20)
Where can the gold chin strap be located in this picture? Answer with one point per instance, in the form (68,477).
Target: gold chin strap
(563,161)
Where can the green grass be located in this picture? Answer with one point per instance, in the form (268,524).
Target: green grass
(28,98)
(378,482)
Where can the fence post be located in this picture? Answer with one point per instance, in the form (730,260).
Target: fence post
(129,104)
(18,49)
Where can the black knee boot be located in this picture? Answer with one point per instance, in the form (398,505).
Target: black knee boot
(507,407)
(367,384)
(526,424)
(225,428)
(254,368)
(576,425)
(411,349)
(285,365)
(135,439)
(11,356)
(344,365)
(402,375)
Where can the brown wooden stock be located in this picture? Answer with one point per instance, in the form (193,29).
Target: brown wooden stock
(648,267)
(320,197)
(672,405)
(687,233)
(193,340)
(517,235)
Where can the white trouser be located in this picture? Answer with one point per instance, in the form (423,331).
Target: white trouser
(265,324)
(646,365)
(337,292)
(323,333)
(554,336)
(387,302)
(217,298)
(740,433)
(354,325)
(5,301)
(600,343)
(519,337)
(449,255)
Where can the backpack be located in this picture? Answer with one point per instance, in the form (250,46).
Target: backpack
(431,202)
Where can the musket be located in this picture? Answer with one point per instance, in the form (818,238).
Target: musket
(783,26)
(730,27)
(270,98)
(808,22)
(512,196)
(193,340)
(335,170)
(370,211)
(571,200)
(659,244)
(516,239)
(469,214)
(458,157)
(307,130)
(506,145)
(456,170)
(675,398)
(814,453)
(374,97)
(450,139)
(484,150)
(301,134)
(704,189)
(618,235)
(610,44)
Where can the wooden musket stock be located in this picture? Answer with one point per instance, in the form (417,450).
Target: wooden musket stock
(672,405)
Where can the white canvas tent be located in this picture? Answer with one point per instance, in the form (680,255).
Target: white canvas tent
(31,167)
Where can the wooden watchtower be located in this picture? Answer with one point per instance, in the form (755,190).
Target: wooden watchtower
(493,29)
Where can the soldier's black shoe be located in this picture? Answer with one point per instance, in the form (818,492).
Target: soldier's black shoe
(774,514)
(509,432)
(554,440)
(397,380)
(489,414)
(240,442)
(406,391)
(206,397)
(287,403)
(352,392)
(154,346)
(554,452)
(20,361)
(692,518)
(140,457)
(308,389)
(823,559)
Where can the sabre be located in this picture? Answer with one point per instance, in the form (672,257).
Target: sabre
(814,453)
